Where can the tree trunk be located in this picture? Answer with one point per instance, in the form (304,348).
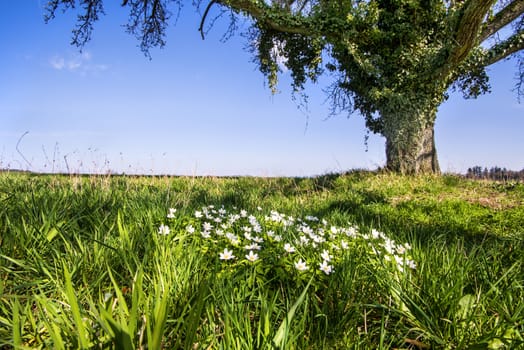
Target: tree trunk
(410,141)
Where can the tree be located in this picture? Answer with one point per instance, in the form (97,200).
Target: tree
(392,60)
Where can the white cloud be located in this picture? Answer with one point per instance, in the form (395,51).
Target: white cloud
(73,65)
(78,63)
(57,63)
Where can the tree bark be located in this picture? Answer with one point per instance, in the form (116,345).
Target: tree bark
(410,143)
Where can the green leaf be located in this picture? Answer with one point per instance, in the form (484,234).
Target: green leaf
(466,304)
(75,309)
(51,234)
(495,344)
(17,336)
(121,337)
(159,317)
(280,337)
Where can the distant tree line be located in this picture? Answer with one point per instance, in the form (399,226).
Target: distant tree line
(495,173)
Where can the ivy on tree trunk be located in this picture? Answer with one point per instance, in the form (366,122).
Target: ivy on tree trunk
(408,126)
(414,154)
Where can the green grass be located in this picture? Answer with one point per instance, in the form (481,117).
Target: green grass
(82,263)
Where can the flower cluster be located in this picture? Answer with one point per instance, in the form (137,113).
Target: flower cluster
(239,236)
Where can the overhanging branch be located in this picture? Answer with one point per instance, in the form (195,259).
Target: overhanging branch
(52,6)
(274,19)
(505,16)
(204,16)
(504,49)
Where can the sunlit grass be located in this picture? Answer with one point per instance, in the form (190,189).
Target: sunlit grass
(358,261)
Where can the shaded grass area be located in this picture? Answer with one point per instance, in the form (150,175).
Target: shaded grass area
(81,265)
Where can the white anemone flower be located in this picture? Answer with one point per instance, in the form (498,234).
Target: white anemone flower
(411,264)
(253,246)
(324,267)
(389,246)
(307,230)
(171,213)
(301,265)
(351,232)
(399,260)
(232,238)
(252,220)
(317,239)
(163,229)
(226,254)
(303,240)
(377,234)
(325,255)
(289,248)
(252,256)
(233,218)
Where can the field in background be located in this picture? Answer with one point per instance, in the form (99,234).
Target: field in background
(84,263)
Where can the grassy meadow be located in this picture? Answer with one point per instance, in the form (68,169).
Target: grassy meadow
(355,261)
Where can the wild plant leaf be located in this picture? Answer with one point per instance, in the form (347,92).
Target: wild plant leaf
(280,337)
(121,337)
(16,325)
(465,307)
(75,309)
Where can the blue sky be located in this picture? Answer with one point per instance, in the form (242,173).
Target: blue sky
(200,107)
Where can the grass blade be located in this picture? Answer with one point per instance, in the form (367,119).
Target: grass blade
(279,341)
(75,310)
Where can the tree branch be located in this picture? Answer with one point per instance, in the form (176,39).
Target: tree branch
(204,16)
(472,15)
(52,6)
(271,18)
(504,49)
(91,11)
(502,18)
(82,33)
